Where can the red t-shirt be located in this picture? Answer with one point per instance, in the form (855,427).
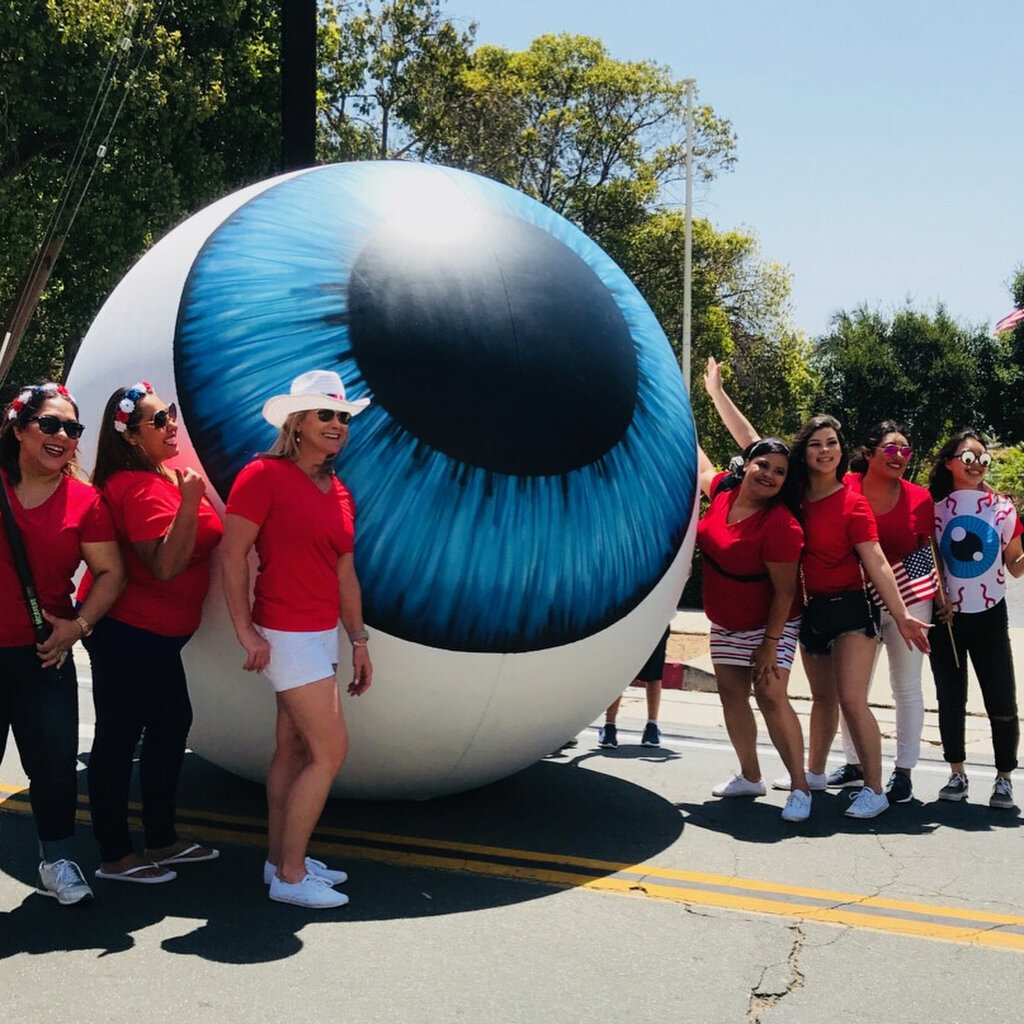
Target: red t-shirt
(832,526)
(143,506)
(769,535)
(303,534)
(53,534)
(907,525)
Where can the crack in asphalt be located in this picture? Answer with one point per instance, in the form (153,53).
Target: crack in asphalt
(761,1001)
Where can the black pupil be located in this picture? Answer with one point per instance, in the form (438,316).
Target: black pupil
(519,362)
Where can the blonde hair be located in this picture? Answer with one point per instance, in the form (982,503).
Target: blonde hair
(287,444)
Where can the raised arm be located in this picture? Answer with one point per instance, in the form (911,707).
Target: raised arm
(743,433)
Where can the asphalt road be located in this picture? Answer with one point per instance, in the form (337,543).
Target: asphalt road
(596,886)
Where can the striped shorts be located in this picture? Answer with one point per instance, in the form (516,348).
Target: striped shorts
(729,647)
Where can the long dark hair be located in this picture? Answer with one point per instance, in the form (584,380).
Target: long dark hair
(114,451)
(26,404)
(940,480)
(798,449)
(872,440)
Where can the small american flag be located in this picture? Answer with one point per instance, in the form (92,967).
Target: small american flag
(1009,321)
(915,576)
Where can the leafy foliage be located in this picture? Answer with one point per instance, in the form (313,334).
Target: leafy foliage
(927,372)
(198,92)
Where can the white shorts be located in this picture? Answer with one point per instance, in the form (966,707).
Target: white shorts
(736,647)
(299,658)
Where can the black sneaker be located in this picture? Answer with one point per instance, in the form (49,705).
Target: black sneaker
(846,777)
(899,789)
(1002,794)
(607,736)
(651,736)
(956,788)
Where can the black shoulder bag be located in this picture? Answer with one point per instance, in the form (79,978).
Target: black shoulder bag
(40,627)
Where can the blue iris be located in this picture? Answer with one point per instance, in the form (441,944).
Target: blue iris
(969,546)
(526,473)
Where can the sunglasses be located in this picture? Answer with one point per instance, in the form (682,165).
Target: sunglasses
(52,424)
(160,419)
(889,450)
(326,415)
(968,458)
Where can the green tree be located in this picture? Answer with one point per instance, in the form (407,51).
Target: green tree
(197,97)
(740,315)
(596,139)
(387,70)
(925,371)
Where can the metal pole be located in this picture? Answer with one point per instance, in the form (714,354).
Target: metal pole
(688,234)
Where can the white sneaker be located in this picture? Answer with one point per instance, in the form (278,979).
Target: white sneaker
(739,786)
(867,804)
(316,868)
(64,881)
(310,892)
(798,806)
(816,782)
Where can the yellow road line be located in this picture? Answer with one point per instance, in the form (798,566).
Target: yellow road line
(953,924)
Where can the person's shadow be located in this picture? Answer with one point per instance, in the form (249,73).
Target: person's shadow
(587,823)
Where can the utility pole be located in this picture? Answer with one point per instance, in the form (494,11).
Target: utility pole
(298,84)
(688,235)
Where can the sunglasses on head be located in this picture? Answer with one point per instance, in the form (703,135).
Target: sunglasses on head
(968,458)
(52,424)
(160,419)
(326,415)
(889,450)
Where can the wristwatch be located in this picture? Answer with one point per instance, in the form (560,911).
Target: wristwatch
(84,625)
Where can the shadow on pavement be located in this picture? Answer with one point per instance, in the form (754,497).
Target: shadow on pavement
(545,816)
(753,821)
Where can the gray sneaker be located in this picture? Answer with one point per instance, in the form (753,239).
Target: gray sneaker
(1002,794)
(64,881)
(956,788)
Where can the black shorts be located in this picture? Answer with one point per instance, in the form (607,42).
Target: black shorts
(654,666)
(830,616)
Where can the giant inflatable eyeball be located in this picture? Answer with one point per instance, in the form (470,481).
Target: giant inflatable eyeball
(525,479)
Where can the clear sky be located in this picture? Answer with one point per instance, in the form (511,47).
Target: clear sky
(880,143)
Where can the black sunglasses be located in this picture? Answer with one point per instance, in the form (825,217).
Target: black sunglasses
(52,424)
(326,415)
(160,418)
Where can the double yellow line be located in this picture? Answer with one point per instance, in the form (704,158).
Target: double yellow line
(922,920)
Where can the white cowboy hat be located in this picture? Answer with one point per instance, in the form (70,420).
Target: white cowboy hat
(315,389)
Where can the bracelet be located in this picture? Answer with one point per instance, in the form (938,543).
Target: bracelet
(359,634)
(775,638)
(84,625)
(360,643)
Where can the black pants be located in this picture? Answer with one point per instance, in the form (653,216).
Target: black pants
(43,715)
(984,636)
(139,689)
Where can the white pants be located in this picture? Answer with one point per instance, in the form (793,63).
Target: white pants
(905,680)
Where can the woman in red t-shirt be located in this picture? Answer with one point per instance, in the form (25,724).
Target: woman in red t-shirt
(906,520)
(839,631)
(167,530)
(290,506)
(62,522)
(750,542)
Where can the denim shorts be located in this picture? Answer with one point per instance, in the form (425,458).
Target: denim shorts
(830,616)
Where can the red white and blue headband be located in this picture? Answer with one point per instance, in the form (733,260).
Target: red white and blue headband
(26,395)
(126,406)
